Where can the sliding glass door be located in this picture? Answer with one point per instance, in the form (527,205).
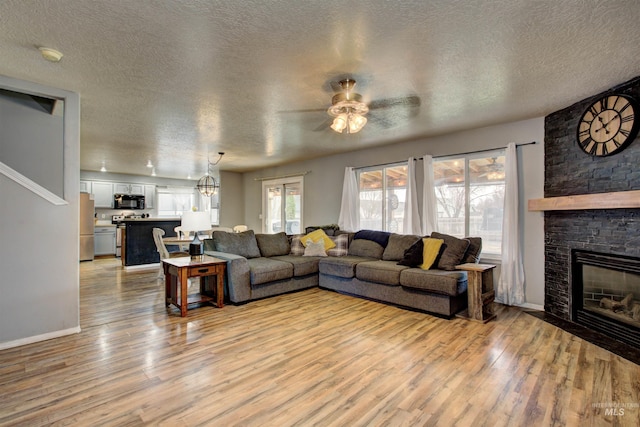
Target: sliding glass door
(282,205)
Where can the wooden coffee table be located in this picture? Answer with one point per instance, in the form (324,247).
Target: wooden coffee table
(177,271)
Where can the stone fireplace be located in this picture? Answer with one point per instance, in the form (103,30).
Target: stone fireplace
(587,243)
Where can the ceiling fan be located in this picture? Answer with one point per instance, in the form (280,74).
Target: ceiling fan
(349,113)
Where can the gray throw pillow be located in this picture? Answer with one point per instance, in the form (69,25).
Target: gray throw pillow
(454,250)
(273,244)
(473,252)
(243,244)
(365,248)
(397,245)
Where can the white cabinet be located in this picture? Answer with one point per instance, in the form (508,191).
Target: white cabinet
(126,188)
(149,196)
(85,186)
(102,194)
(105,241)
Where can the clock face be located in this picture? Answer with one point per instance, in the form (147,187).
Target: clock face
(608,125)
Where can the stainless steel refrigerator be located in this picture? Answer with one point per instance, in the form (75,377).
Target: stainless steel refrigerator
(87,214)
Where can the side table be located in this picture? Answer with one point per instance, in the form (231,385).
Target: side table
(480,293)
(177,271)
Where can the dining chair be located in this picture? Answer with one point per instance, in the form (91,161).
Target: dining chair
(158,233)
(240,228)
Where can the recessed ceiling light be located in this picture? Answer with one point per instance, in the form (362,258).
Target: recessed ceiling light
(103,169)
(50,54)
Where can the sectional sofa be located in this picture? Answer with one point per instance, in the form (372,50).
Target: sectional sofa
(371,264)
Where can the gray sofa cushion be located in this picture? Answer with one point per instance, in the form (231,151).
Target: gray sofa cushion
(454,250)
(387,272)
(302,266)
(264,270)
(344,266)
(443,282)
(243,244)
(365,248)
(273,244)
(398,244)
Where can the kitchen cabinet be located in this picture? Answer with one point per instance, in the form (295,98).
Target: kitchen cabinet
(126,188)
(102,194)
(149,196)
(105,240)
(85,186)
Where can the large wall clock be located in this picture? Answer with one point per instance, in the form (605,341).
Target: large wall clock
(609,125)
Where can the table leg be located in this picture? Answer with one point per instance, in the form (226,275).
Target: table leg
(167,286)
(184,278)
(219,290)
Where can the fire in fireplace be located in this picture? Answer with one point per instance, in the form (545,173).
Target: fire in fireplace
(606,294)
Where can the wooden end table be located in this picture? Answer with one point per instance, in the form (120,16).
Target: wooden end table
(177,271)
(480,293)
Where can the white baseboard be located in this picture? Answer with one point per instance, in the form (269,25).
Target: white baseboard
(532,306)
(38,338)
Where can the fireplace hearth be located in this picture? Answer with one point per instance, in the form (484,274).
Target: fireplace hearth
(606,294)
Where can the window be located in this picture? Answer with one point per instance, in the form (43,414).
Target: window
(382,193)
(282,204)
(173,201)
(470,193)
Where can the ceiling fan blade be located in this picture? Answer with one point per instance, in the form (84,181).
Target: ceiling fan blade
(402,101)
(305,110)
(325,125)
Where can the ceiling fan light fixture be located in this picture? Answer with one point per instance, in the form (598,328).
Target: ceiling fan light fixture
(339,123)
(356,122)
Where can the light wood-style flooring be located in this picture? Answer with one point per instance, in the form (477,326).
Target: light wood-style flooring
(309,358)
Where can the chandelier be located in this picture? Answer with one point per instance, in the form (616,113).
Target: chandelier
(207,185)
(348,109)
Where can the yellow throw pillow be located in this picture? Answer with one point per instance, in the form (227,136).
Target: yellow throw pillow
(318,235)
(430,251)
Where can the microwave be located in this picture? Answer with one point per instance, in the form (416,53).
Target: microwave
(127,201)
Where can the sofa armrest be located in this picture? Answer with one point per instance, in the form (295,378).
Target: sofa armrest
(238,276)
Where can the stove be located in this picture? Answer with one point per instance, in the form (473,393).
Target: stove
(118,219)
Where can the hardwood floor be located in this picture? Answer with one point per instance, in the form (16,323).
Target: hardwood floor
(310,358)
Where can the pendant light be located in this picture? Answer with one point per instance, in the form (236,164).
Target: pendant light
(207,185)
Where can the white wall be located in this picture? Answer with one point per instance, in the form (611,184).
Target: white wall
(323,185)
(40,241)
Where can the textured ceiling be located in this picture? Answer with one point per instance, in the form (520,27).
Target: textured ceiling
(175,81)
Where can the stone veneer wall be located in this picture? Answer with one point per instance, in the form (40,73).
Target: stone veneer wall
(570,171)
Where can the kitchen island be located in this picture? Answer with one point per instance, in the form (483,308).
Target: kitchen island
(138,247)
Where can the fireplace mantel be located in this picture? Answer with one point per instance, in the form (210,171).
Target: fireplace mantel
(615,200)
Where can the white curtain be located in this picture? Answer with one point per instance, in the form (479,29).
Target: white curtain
(411,220)
(511,283)
(429,201)
(349,219)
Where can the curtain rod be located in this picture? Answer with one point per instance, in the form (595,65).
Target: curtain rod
(282,176)
(449,155)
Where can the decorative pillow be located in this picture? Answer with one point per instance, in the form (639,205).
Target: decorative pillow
(473,252)
(430,252)
(273,244)
(453,252)
(297,248)
(317,235)
(314,248)
(380,237)
(243,244)
(365,248)
(398,244)
(342,245)
(413,256)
